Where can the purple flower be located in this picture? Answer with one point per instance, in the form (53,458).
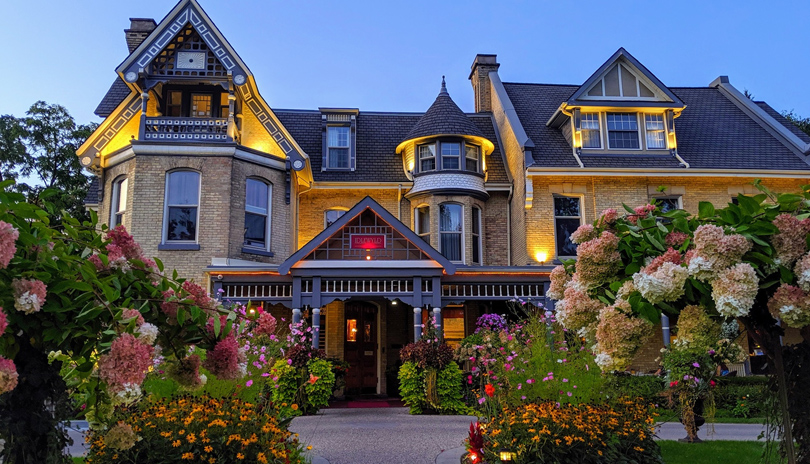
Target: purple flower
(481,400)
(695,365)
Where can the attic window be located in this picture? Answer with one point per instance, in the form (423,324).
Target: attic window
(620,82)
(339,139)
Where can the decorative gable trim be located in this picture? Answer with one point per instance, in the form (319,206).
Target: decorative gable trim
(382,213)
(90,151)
(664,98)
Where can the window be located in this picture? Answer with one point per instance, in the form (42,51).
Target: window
(421,218)
(427,158)
(224,105)
(622,130)
(119,201)
(619,81)
(668,203)
(591,135)
(451,152)
(257,213)
(476,235)
(332,215)
(451,231)
(567,219)
(182,206)
(338,147)
(654,126)
(200,105)
(471,154)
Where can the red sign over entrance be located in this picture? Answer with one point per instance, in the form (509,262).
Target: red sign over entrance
(367,241)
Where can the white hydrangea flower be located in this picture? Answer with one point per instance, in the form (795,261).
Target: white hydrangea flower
(147,333)
(130,394)
(665,284)
(28,303)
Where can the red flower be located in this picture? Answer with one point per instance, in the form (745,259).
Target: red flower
(712,383)
(489,390)
(313,379)
(673,384)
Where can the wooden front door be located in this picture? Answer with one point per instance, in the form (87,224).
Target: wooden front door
(360,348)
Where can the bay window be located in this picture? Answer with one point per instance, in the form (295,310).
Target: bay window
(451,154)
(451,231)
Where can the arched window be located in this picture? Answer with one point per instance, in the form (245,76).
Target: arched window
(421,222)
(476,235)
(182,206)
(257,213)
(118,206)
(451,231)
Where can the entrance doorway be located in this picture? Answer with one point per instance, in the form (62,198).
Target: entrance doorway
(360,348)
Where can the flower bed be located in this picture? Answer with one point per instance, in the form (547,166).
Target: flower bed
(197,429)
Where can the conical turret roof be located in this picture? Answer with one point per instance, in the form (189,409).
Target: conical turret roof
(444,117)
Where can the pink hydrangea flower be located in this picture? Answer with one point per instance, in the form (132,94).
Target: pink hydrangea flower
(790,243)
(640,213)
(619,336)
(583,233)
(676,238)
(8,246)
(199,295)
(802,271)
(608,216)
(130,314)
(791,305)
(223,361)
(169,307)
(3,321)
(265,324)
(127,362)
(8,375)
(715,251)
(735,289)
(29,295)
(124,243)
(598,260)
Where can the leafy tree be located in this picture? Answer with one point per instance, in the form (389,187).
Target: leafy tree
(800,122)
(39,151)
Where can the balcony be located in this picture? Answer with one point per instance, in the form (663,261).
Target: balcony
(179,129)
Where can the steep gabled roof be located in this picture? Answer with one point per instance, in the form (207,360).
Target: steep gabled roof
(443,117)
(115,95)
(367,203)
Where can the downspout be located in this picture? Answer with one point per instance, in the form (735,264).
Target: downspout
(577,150)
(509,225)
(399,202)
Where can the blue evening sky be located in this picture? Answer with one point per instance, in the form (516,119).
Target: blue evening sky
(390,56)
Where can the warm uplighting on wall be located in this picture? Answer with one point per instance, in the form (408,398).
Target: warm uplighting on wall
(541,256)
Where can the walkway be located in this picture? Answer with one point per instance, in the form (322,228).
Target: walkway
(372,436)
(741,432)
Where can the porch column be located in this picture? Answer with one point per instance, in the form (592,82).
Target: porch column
(144,105)
(437,320)
(296,316)
(316,327)
(665,329)
(417,324)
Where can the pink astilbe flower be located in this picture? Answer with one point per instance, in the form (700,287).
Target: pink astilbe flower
(8,245)
(734,290)
(715,251)
(129,314)
(583,233)
(666,283)
(802,271)
(8,375)
(127,362)
(199,295)
(670,256)
(608,216)
(223,361)
(676,238)
(3,321)
(559,278)
(577,311)
(265,324)
(29,295)
(598,260)
(619,336)
(790,243)
(791,305)
(640,213)
(186,371)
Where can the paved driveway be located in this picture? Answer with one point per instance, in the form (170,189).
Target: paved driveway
(384,435)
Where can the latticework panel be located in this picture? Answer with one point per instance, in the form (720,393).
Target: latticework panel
(188,41)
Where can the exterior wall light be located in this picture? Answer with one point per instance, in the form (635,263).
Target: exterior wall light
(541,256)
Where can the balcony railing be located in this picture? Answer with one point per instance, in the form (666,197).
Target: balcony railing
(164,129)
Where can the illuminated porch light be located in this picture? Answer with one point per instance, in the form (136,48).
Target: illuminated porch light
(541,256)
(368,257)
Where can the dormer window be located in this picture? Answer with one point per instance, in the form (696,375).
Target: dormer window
(472,153)
(451,153)
(203,101)
(622,129)
(427,158)
(452,156)
(338,147)
(654,126)
(591,135)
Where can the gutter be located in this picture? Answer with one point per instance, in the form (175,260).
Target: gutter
(538,171)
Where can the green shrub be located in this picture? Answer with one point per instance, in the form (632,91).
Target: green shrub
(318,386)
(413,388)
(301,390)
(648,388)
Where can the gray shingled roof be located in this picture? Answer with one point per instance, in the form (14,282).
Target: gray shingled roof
(713,133)
(117,93)
(443,117)
(790,126)
(92,192)
(378,135)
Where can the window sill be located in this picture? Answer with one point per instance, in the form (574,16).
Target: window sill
(179,247)
(257,251)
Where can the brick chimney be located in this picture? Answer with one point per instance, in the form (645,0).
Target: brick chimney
(139,30)
(479,75)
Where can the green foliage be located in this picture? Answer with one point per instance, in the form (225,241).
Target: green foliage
(647,388)
(301,390)
(319,391)
(413,388)
(285,393)
(712,451)
(800,122)
(448,386)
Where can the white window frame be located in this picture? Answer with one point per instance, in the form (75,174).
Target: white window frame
(420,158)
(417,225)
(442,156)
(477,157)
(555,217)
(268,222)
(607,131)
(115,200)
(477,237)
(463,231)
(348,148)
(648,131)
(166,206)
(598,129)
(339,209)
(668,197)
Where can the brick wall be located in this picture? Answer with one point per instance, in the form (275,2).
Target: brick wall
(335,326)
